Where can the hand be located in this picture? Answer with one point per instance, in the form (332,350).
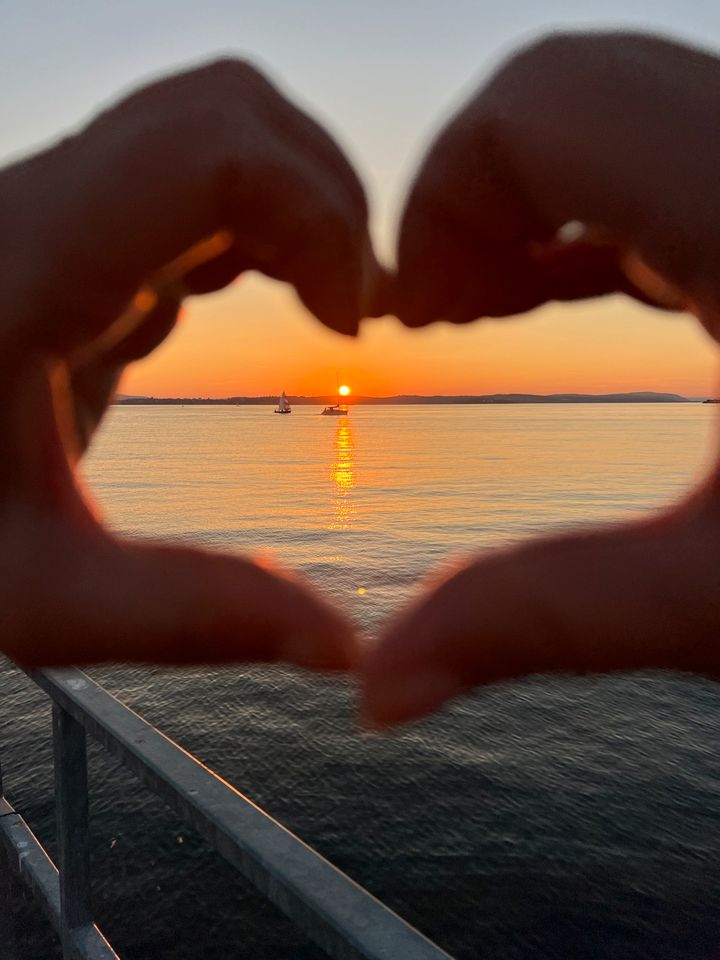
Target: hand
(177,189)
(617,134)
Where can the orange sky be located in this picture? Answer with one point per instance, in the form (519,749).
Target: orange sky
(255,338)
(382,77)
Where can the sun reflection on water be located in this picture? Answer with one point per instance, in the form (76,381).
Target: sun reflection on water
(342,474)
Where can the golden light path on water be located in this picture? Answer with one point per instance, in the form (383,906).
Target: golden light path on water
(520,809)
(342,473)
(376,499)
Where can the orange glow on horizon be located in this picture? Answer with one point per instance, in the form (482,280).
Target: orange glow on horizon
(255,339)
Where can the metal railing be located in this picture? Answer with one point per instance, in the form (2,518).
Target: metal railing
(340,916)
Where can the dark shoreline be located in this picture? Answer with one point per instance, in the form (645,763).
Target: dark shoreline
(410,399)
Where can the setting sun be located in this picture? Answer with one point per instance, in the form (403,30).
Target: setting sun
(517,509)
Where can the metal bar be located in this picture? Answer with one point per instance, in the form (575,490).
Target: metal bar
(71,806)
(88,943)
(36,870)
(342,917)
(30,862)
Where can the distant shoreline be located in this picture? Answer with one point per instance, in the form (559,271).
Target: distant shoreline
(411,399)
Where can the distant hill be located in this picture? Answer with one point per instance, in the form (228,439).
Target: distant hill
(636,397)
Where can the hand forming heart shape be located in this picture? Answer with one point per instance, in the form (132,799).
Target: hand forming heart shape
(194,179)
(102,236)
(615,132)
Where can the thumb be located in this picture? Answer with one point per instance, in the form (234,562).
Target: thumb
(640,596)
(70,592)
(84,597)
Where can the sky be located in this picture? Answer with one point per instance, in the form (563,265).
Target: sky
(381,75)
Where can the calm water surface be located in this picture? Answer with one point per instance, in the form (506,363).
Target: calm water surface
(550,818)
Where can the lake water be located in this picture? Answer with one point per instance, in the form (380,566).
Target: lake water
(551,818)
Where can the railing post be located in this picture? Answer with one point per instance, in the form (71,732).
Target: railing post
(71,805)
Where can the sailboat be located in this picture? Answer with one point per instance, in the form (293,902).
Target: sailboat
(283,404)
(336,409)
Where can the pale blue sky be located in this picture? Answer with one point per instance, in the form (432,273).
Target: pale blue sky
(381,74)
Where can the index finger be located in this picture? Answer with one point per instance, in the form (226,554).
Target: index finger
(614,131)
(215,148)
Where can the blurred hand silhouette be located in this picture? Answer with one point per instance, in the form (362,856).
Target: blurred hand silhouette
(615,137)
(189,182)
(177,189)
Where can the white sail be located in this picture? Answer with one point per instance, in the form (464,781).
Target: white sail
(283,403)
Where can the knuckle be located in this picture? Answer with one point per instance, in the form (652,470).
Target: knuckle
(192,97)
(556,44)
(233,73)
(547,64)
(551,76)
(573,51)
(569,56)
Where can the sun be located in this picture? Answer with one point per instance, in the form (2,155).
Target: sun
(344,390)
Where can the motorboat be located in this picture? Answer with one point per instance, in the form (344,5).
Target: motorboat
(337,409)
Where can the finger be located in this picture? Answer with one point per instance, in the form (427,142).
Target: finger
(70,592)
(65,403)
(608,130)
(92,386)
(580,270)
(634,597)
(463,248)
(552,271)
(215,148)
(96,367)
(90,599)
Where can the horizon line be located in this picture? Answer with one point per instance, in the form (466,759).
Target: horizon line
(636,395)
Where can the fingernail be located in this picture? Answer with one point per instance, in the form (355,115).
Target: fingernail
(395,698)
